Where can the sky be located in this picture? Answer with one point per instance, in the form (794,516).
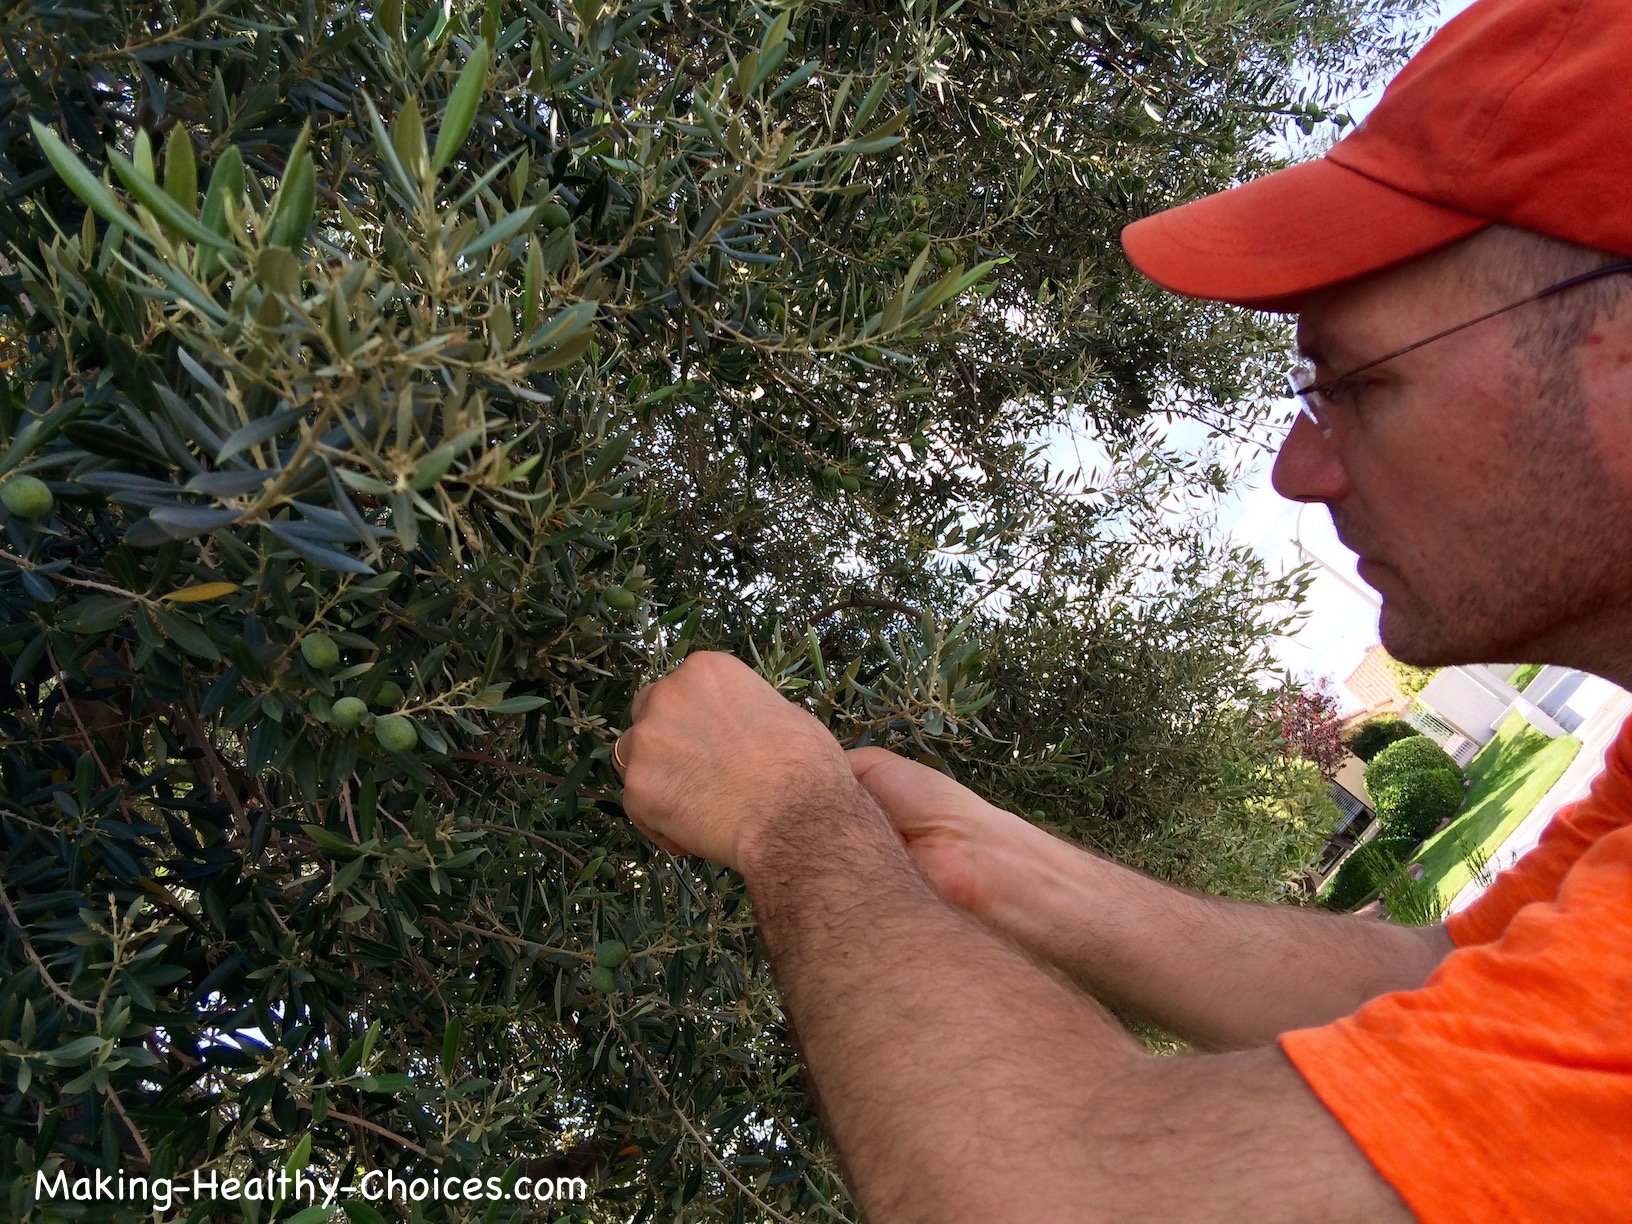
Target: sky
(1341,622)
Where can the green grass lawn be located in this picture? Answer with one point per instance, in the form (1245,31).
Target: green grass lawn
(1510,775)
(1521,677)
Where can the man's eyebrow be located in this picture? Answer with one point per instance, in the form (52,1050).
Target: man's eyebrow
(1322,350)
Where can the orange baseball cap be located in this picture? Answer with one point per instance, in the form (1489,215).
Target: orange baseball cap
(1517,112)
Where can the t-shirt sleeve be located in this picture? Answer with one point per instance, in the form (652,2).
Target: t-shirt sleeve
(1502,1088)
(1537,875)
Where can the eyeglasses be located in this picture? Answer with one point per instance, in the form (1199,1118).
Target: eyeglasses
(1315,399)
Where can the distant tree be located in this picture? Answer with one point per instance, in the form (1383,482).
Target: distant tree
(1411,680)
(1311,726)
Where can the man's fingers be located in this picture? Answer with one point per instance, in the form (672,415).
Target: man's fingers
(863,760)
(639,703)
(657,839)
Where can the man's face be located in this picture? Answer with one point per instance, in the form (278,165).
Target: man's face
(1489,496)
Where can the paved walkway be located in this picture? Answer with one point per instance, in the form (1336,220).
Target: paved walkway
(1596,734)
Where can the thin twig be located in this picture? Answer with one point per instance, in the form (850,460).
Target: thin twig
(516,941)
(529,771)
(345,806)
(119,1108)
(73,709)
(34,957)
(24,563)
(708,1151)
(860,601)
(379,1130)
(535,838)
(206,745)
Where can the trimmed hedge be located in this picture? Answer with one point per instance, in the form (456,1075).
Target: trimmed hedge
(1364,871)
(1397,848)
(1375,734)
(1413,755)
(1412,804)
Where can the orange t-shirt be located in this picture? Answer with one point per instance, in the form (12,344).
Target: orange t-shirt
(1502,1088)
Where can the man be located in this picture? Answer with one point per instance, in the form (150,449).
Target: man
(1456,266)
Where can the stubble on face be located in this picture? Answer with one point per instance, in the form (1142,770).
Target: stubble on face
(1517,574)
(1531,559)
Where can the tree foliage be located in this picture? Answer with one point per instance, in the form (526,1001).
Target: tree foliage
(1410,678)
(1375,734)
(1414,803)
(1311,726)
(468,364)
(1367,869)
(1413,754)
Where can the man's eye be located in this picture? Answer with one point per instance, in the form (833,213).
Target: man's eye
(1345,392)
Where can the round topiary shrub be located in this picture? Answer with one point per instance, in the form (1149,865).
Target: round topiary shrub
(1412,755)
(1412,804)
(1375,734)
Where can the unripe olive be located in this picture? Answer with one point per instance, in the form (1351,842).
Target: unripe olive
(396,733)
(621,599)
(27,497)
(348,713)
(553,214)
(388,695)
(945,256)
(850,483)
(319,650)
(612,953)
(920,241)
(603,980)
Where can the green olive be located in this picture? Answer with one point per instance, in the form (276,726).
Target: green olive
(603,980)
(920,241)
(945,256)
(850,483)
(388,695)
(621,599)
(552,214)
(396,733)
(319,650)
(348,713)
(611,954)
(27,497)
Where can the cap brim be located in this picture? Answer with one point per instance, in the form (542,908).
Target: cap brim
(1271,242)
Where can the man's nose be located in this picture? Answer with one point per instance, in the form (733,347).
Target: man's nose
(1307,468)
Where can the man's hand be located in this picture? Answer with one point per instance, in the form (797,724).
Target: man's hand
(713,753)
(952,833)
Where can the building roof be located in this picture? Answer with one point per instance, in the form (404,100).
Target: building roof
(1374,686)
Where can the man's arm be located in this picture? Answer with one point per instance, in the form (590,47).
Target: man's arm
(961,1081)
(1222,974)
